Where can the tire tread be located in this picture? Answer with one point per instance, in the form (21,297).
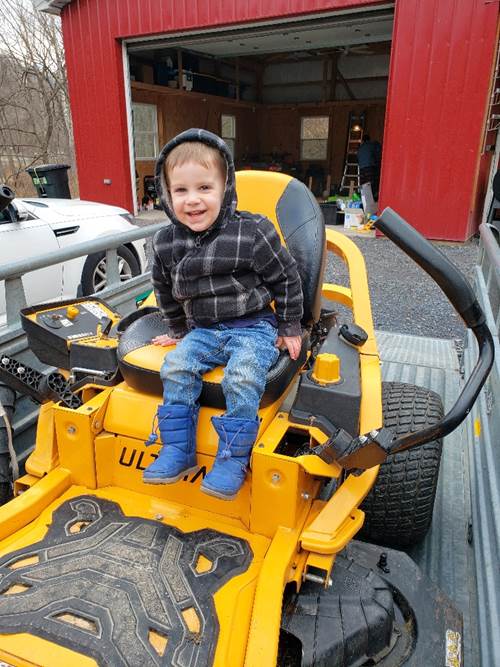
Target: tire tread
(398,509)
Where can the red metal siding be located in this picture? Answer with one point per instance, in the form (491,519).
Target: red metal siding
(440,67)
(441,63)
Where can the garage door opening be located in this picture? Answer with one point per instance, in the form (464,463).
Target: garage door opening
(295,96)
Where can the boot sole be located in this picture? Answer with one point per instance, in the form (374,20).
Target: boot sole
(169,480)
(217,494)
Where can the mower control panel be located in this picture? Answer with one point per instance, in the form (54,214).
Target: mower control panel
(54,329)
(88,319)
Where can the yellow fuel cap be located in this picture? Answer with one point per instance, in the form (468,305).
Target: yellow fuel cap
(72,312)
(326,368)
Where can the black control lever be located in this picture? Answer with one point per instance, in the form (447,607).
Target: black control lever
(6,196)
(463,299)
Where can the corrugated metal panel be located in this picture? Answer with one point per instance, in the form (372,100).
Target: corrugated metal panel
(445,555)
(97,96)
(442,58)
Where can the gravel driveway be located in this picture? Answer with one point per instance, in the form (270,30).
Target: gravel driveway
(404,299)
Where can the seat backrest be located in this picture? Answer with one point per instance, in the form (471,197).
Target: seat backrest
(291,206)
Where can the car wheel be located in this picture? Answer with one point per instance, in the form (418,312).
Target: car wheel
(94,274)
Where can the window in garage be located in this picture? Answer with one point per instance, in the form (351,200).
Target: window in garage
(228,130)
(145,131)
(314,137)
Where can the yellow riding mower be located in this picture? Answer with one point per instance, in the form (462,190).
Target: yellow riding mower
(97,567)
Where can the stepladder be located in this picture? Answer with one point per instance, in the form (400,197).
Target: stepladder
(350,177)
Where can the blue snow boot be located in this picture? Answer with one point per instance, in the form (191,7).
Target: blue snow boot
(236,439)
(177,457)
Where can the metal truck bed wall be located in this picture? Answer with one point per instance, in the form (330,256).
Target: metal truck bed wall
(483,440)
(461,551)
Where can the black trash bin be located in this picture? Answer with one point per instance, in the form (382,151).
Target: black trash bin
(329,210)
(51,180)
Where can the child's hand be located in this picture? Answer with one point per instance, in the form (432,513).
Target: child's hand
(292,343)
(165,340)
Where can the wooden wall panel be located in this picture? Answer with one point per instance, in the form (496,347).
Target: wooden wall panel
(178,111)
(261,129)
(279,129)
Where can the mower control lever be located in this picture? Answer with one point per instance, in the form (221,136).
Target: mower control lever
(6,196)
(463,299)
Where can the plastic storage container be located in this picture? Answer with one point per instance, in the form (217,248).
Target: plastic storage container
(51,180)
(353,218)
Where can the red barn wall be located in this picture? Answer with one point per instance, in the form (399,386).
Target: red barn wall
(441,64)
(440,71)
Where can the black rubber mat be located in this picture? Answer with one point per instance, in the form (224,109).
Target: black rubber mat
(123,590)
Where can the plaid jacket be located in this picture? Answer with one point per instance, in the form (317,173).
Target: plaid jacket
(234,268)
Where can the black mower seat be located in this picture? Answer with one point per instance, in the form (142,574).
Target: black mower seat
(299,222)
(140,364)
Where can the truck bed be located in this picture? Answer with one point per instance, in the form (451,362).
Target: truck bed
(446,554)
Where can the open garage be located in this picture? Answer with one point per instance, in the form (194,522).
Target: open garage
(297,98)
(279,81)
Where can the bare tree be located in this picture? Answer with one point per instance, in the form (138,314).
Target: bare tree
(35,122)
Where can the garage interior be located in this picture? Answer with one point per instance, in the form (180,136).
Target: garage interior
(284,96)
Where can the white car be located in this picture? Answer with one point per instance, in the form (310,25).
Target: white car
(32,227)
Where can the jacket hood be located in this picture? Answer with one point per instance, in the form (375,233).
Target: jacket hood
(229,200)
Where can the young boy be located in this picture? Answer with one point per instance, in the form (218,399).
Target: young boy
(215,273)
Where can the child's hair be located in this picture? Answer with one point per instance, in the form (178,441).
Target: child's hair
(195,151)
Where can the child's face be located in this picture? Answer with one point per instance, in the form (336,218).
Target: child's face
(196,194)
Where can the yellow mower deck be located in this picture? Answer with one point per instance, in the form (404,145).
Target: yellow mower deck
(95,582)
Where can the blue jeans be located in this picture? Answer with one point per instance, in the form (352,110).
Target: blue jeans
(247,353)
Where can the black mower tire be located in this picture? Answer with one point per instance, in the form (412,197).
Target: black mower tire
(92,262)
(398,509)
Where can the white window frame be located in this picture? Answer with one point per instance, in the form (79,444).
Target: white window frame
(302,140)
(154,131)
(230,140)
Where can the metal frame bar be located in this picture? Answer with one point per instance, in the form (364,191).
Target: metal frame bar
(12,272)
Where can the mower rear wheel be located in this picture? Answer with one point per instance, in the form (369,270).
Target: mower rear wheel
(398,509)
